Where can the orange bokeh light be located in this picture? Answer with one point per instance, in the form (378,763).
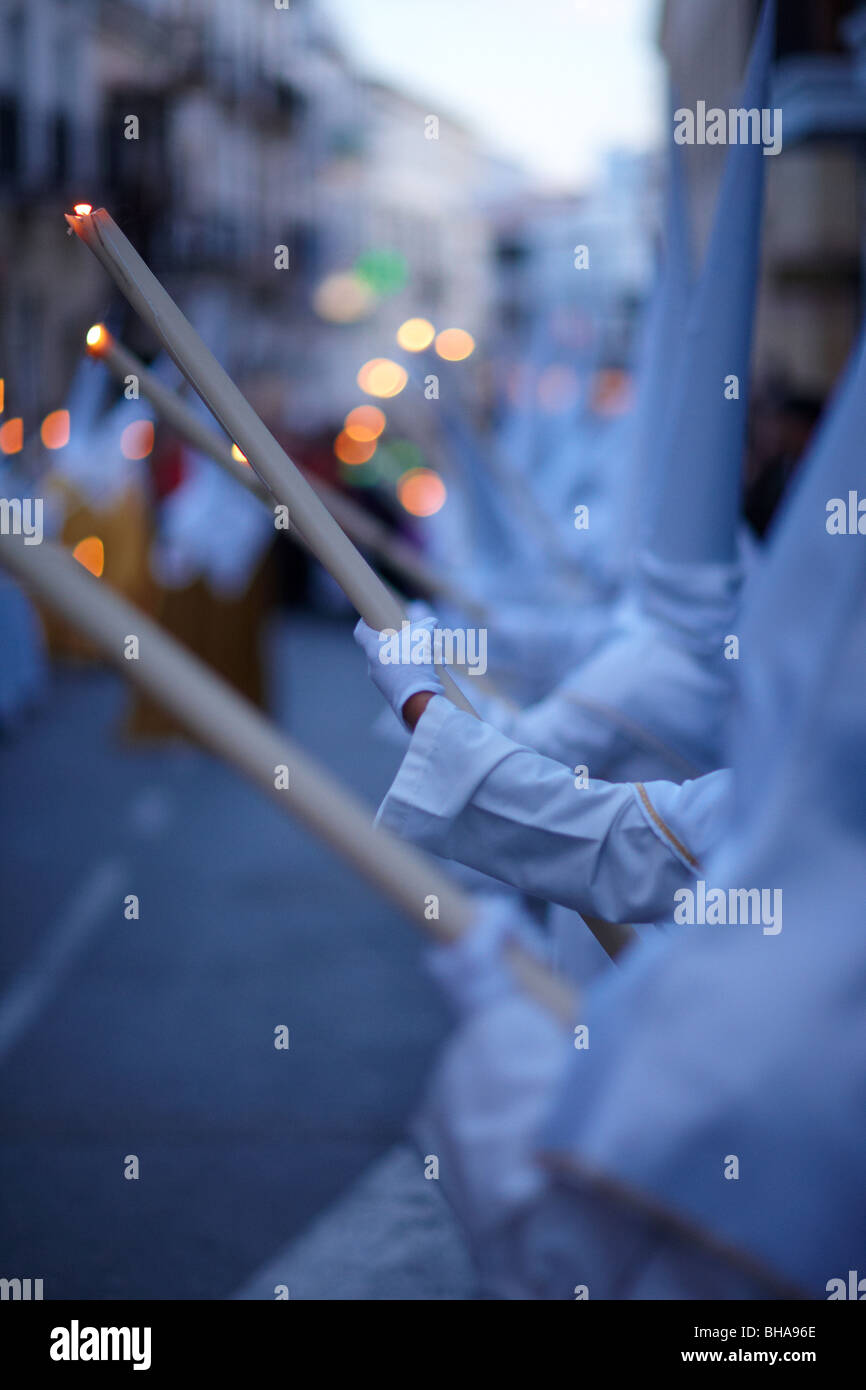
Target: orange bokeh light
(454,344)
(136,442)
(12,435)
(421,491)
(349,450)
(55,429)
(91,554)
(611,392)
(415,335)
(364,423)
(83,209)
(238,456)
(382,377)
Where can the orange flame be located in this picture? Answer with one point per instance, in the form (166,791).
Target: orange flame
(12,436)
(97,338)
(91,554)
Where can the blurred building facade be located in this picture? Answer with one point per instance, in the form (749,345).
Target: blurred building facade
(218,132)
(813,237)
(572,274)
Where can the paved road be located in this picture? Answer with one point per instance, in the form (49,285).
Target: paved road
(155,1038)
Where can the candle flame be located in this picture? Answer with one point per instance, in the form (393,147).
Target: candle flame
(83,209)
(97,337)
(91,554)
(12,436)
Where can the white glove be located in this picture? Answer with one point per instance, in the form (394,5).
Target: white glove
(474,971)
(398,680)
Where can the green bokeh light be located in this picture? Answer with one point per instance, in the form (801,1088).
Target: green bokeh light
(386,272)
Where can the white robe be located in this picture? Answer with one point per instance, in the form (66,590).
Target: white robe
(536,1232)
(652,701)
(620,852)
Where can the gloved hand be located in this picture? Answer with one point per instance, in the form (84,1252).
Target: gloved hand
(397,680)
(474,971)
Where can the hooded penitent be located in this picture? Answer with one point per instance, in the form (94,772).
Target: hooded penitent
(668,669)
(727,1074)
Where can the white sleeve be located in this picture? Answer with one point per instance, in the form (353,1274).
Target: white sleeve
(466,792)
(560,728)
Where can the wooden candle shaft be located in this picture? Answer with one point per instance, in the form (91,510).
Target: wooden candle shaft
(232,728)
(372,598)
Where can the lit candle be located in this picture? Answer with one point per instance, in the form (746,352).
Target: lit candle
(237,732)
(372,598)
(172,408)
(364,529)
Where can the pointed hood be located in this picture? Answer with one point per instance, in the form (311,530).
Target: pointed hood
(606,464)
(694,514)
(657,358)
(748,1041)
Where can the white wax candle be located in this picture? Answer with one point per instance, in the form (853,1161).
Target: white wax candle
(376,603)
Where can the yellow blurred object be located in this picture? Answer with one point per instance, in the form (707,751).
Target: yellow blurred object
(123,531)
(225,633)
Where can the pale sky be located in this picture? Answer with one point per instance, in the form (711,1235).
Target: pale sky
(551,84)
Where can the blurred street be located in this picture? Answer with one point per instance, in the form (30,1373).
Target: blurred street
(156,1037)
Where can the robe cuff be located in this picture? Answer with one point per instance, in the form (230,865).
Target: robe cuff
(432,786)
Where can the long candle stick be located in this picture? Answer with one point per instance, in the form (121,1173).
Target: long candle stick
(238,733)
(371,597)
(365,530)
